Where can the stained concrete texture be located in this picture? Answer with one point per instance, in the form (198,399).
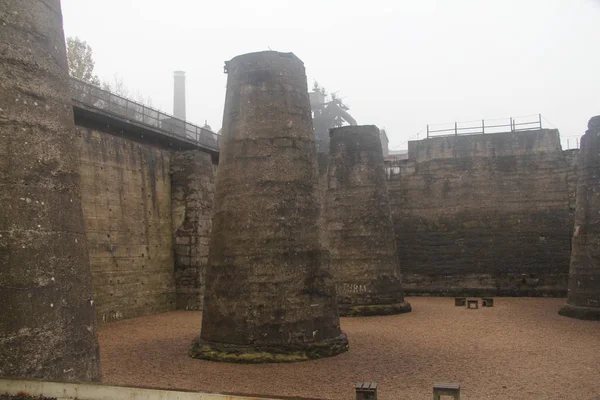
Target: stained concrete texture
(126,201)
(192,199)
(269,293)
(495,220)
(47,317)
(359,225)
(500,144)
(583,300)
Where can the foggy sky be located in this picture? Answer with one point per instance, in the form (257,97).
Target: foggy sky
(399,64)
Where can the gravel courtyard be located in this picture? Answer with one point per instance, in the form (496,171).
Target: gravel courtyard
(519,349)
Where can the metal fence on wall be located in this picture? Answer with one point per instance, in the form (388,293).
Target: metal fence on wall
(95,97)
(570,142)
(526,123)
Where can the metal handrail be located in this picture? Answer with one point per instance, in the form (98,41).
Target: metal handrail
(481,129)
(572,142)
(96,97)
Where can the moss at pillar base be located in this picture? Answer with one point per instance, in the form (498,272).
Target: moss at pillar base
(243,354)
(348,310)
(579,312)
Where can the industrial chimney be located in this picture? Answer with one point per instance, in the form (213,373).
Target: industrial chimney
(179,94)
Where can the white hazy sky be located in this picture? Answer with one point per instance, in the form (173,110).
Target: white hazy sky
(399,64)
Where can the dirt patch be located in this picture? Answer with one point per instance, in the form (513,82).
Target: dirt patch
(519,349)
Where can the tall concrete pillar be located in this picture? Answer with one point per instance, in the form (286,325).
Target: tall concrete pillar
(358,222)
(269,295)
(192,202)
(179,94)
(583,299)
(47,316)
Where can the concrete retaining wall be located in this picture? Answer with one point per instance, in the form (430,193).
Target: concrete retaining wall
(489,145)
(495,221)
(492,215)
(126,199)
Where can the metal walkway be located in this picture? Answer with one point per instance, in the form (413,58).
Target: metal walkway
(96,100)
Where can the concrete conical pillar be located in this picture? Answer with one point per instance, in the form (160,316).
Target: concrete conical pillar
(269,295)
(358,221)
(583,299)
(47,317)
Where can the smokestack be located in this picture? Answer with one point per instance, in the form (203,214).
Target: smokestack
(179,94)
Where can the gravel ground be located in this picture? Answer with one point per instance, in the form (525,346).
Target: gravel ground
(519,349)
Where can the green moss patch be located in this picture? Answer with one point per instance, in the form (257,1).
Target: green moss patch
(375,309)
(255,355)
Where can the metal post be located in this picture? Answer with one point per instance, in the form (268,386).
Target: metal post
(540,117)
(483,127)
(456,129)
(568,144)
(427,131)
(511,125)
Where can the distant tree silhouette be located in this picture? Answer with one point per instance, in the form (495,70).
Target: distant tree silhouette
(81,65)
(80,57)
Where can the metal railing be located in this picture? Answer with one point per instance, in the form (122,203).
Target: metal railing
(526,123)
(570,142)
(95,97)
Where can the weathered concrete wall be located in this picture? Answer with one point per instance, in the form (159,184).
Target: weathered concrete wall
(47,317)
(192,195)
(491,145)
(486,225)
(126,196)
(359,228)
(584,276)
(269,292)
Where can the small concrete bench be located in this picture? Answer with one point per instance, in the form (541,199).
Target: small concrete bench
(487,302)
(446,389)
(366,391)
(473,303)
(460,301)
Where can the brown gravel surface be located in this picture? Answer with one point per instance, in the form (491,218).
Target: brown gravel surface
(519,349)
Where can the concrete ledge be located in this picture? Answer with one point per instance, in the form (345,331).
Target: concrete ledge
(13,388)
(579,312)
(257,354)
(348,310)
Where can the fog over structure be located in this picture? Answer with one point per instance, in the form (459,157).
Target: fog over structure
(130,217)
(525,57)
